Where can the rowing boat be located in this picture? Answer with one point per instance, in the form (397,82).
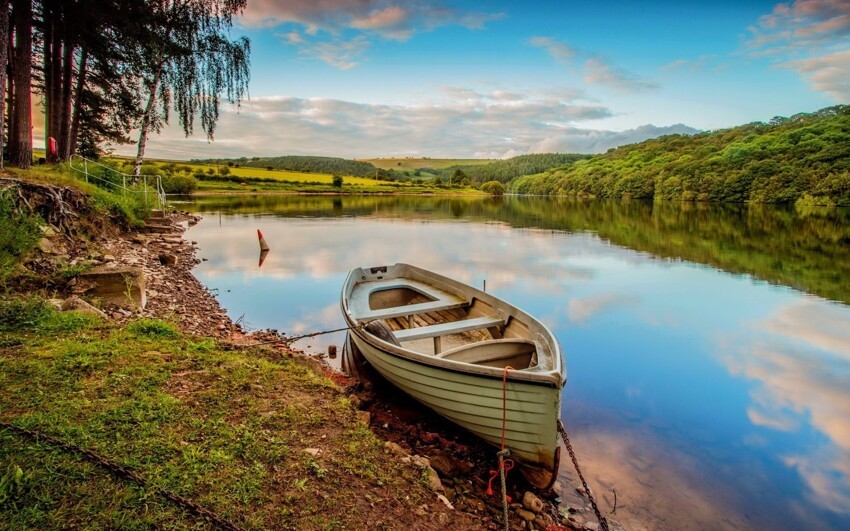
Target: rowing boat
(465,354)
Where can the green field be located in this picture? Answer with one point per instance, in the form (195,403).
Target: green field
(414,163)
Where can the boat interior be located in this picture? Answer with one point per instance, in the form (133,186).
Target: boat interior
(428,320)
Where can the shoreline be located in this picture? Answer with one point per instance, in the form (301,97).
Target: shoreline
(452,460)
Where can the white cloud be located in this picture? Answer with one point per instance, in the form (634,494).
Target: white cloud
(601,72)
(828,73)
(580,310)
(391,19)
(464,123)
(597,69)
(811,37)
(579,140)
(802,372)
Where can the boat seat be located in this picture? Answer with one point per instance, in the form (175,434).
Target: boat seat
(412,309)
(485,351)
(455,327)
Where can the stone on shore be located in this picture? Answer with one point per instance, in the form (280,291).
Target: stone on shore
(77,304)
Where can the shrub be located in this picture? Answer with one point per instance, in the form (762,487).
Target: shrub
(179,184)
(493,188)
(337,181)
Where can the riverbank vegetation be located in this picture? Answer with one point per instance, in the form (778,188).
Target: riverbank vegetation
(805,158)
(257,438)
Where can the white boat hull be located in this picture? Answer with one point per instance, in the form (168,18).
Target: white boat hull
(475,403)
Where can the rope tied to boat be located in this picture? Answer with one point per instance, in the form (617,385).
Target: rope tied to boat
(505,464)
(603,523)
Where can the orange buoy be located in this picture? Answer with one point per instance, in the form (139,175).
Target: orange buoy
(263,245)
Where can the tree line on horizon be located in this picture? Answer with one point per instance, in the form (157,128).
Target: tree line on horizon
(803,158)
(104,68)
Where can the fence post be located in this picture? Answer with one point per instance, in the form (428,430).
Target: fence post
(86,168)
(145,184)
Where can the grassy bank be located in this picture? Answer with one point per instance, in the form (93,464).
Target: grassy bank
(249,434)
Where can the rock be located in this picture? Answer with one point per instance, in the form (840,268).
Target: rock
(77,304)
(365,417)
(445,501)
(591,526)
(394,448)
(167,259)
(476,504)
(531,502)
(56,303)
(528,516)
(315,452)
(140,239)
(420,462)
(108,258)
(434,480)
(47,231)
(47,247)
(442,464)
(542,521)
(122,287)
(443,519)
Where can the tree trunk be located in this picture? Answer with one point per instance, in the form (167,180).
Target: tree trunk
(56,90)
(4,60)
(146,123)
(13,130)
(65,108)
(78,104)
(22,79)
(47,67)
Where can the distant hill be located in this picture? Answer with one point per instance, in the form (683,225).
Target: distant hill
(329,165)
(509,169)
(802,158)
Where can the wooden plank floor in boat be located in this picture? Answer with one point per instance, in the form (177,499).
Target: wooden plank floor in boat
(426,345)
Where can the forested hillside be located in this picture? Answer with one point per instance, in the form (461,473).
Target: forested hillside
(508,169)
(330,165)
(803,158)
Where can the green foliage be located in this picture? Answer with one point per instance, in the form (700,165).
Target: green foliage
(19,234)
(493,188)
(179,184)
(33,314)
(329,165)
(153,328)
(779,162)
(337,181)
(509,169)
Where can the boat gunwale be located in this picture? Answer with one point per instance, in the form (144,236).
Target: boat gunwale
(555,377)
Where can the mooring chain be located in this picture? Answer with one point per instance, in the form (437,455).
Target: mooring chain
(602,522)
(122,471)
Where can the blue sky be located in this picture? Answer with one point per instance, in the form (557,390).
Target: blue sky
(367,78)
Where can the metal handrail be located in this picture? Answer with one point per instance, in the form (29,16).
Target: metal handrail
(158,190)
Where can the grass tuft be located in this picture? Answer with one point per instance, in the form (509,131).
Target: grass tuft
(153,328)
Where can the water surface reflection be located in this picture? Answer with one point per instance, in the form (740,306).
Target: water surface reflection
(701,388)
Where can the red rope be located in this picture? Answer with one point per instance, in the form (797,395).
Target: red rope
(504,464)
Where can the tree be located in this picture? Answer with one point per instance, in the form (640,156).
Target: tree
(20,137)
(189,57)
(459,177)
(493,188)
(4,60)
(337,181)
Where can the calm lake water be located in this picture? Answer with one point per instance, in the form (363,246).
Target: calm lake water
(707,347)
